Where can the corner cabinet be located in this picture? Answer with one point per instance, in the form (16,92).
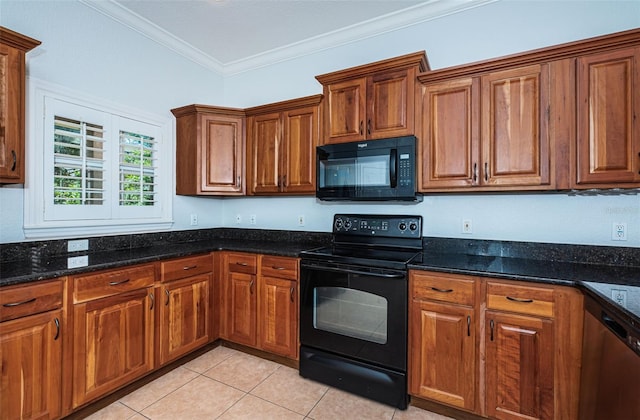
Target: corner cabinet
(31,335)
(608,130)
(13,47)
(499,349)
(281,144)
(210,146)
(486,130)
(372,101)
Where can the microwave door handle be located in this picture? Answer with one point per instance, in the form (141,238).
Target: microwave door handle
(393,168)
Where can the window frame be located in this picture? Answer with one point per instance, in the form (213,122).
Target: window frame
(116,219)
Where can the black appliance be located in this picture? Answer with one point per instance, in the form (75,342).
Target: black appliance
(353,306)
(372,170)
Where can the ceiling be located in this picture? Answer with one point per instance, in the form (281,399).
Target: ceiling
(232,36)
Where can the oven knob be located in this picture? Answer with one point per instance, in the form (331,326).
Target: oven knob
(413,226)
(402,226)
(338,224)
(347,224)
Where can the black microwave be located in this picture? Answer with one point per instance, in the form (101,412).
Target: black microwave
(373,170)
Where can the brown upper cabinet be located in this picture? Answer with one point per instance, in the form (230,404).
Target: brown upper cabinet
(210,143)
(487,130)
(554,118)
(608,92)
(13,47)
(281,143)
(372,101)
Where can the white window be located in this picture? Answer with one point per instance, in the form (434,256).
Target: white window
(96,168)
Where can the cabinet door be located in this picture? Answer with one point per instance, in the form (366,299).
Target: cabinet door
(266,149)
(390,105)
(11,115)
(184,316)
(301,136)
(608,143)
(31,367)
(278,316)
(345,111)
(450,140)
(113,343)
(241,308)
(221,153)
(442,353)
(515,139)
(519,366)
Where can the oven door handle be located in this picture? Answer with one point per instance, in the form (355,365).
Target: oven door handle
(352,271)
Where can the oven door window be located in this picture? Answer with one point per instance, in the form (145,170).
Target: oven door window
(350,312)
(359,172)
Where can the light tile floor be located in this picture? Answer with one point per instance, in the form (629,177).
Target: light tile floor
(227,384)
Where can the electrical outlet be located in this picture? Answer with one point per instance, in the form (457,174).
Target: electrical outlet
(467,227)
(619,231)
(75,262)
(238,219)
(252,219)
(619,296)
(78,245)
(301,220)
(194,219)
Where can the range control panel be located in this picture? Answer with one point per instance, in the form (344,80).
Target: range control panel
(378,225)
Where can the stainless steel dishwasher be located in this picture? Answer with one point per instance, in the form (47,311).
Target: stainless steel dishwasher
(610,380)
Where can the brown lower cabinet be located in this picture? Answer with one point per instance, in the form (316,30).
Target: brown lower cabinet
(31,333)
(113,343)
(261,302)
(500,349)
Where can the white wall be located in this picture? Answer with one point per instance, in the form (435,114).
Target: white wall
(87,53)
(486,32)
(92,54)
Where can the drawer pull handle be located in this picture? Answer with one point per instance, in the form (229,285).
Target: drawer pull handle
(57,321)
(189,267)
(435,289)
(243,264)
(514,299)
(115,283)
(24,302)
(166,292)
(277,268)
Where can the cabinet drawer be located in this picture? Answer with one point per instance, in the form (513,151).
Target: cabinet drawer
(281,267)
(21,300)
(186,267)
(242,263)
(443,287)
(112,282)
(529,300)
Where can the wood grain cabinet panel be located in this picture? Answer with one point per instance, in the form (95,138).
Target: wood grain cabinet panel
(13,47)
(608,139)
(185,316)
(210,147)
(241,297)
(31,367)
(281,147)
(373,101)
(278,309)
(487,130)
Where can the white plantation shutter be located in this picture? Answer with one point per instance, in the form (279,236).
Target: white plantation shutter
(137,169)
(97,169)
(78,162)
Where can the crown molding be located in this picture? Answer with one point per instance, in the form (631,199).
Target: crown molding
(423,12)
